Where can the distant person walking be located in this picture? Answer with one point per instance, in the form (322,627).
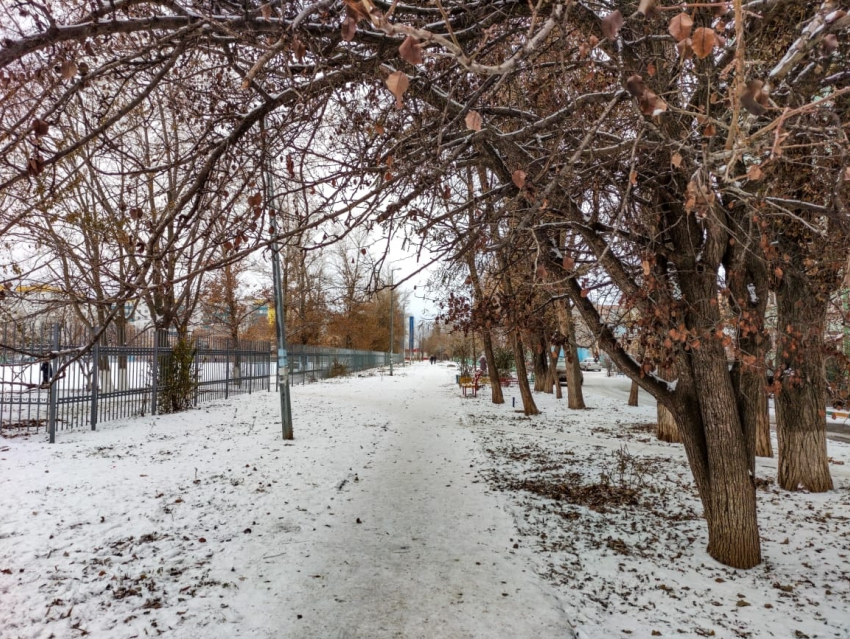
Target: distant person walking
(482,364)
(46,372)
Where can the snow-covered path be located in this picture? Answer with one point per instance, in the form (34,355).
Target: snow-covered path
(374,523)
(434,555)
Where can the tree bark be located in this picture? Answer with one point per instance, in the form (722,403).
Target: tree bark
(528,405)
(667,430)
(496,395)
(553,380)
(575,397)
(748,285)
(541,363)
(633,394)
(801,400)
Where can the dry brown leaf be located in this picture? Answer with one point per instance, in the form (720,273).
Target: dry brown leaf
(356,9)
(611,24)
(299,49)
(651,104)
(410,50)
(635,85)
(68,70)
(266,10)
(40,127)
(541,272)
(680,26)
(349,28)
(648,8)
(755,98)
(755,172)
(676,160)
(710,130)
(684,47)
(703,41)
(568,263)
(34,166)
(518,178)
(473,120)
(830,43)
(397,83)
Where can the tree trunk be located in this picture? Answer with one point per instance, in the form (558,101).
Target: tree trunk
(575,397)
(553,381)
(541,363)
(714,441)
(121,340)
(496,395)
(667,430)
(748,284)
(801,400)
(528,405)
(633,394)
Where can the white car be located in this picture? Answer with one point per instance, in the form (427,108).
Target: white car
(590,364)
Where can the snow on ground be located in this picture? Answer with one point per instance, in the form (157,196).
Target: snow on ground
(401,510)
(373,523)
(614,520)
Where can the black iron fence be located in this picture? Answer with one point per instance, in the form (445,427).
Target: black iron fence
(150,373)
(153,372)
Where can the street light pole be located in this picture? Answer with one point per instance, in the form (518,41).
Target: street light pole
(279,317)
(392,320)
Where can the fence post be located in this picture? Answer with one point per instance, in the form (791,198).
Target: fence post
(154,371)
(54,391)
(95,379)
(226,368)
(197,371)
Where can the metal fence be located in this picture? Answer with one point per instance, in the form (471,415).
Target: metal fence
(312,363)
(116,380)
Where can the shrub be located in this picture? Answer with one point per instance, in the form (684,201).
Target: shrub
(338,369)
(504,360)
(177,381)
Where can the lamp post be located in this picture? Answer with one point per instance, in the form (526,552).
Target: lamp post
(280,317)
(392,320)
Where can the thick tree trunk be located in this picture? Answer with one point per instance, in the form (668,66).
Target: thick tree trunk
(575,397)
(633,394)
(714,440)
(528,405)
(553,381)
(717,446)
(754,409)
(748,284)
(541,364)
(801,400)
(667,430)
(496,395)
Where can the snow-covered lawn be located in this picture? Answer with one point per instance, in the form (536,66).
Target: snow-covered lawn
(402,510)
(615,522)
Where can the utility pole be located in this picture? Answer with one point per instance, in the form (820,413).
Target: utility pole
(279,317)
(392,320)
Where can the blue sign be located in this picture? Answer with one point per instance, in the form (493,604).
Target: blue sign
(410,333)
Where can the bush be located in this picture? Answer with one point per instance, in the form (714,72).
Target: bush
(177,381)
(338,369)
(504,360)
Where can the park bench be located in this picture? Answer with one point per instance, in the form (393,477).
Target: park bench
(469,385)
